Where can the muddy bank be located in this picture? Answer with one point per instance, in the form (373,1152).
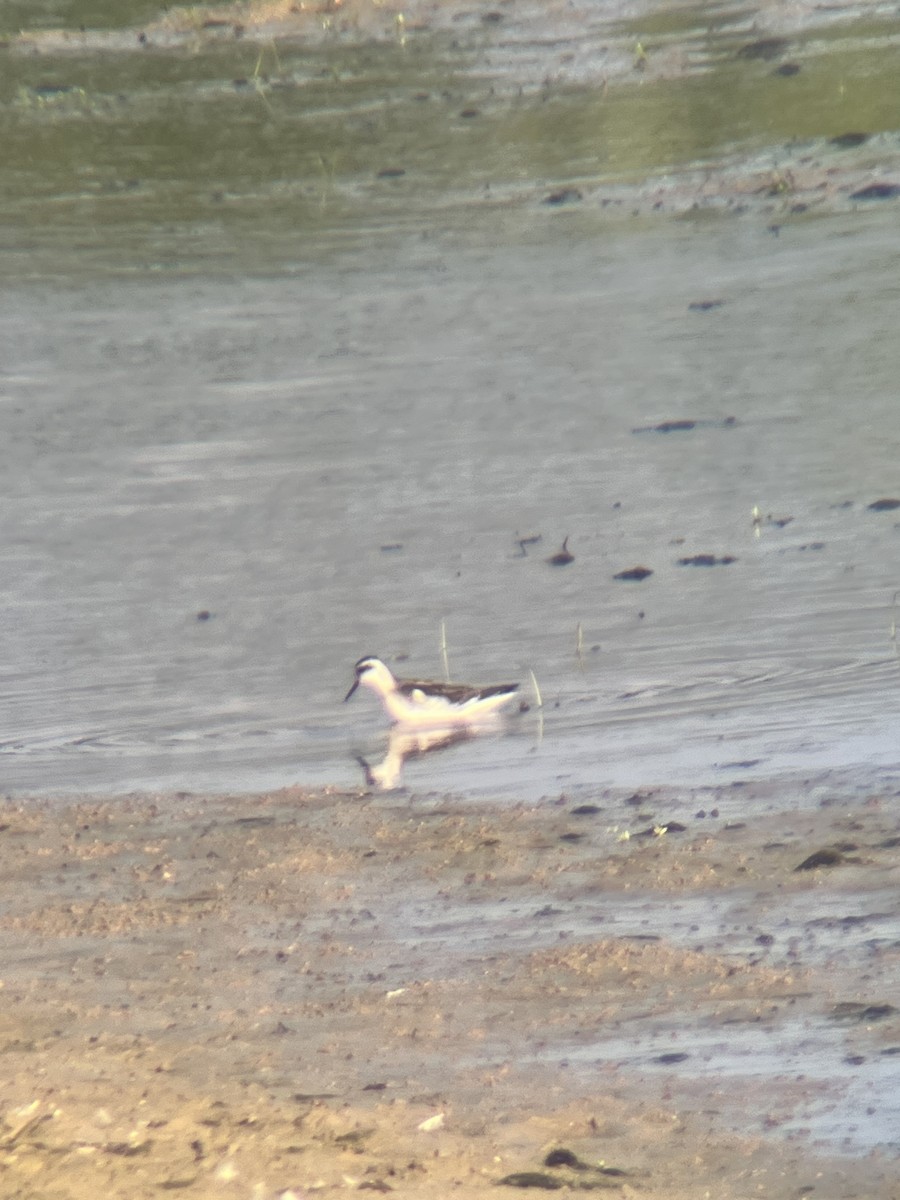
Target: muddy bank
(313,124)
(310,993)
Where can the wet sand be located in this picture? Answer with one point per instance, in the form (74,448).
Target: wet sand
(305,993)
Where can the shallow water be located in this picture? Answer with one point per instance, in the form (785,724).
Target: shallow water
(244,373)
(258,450)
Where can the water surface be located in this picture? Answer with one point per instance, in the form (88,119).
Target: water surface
(332,462)
(295,351)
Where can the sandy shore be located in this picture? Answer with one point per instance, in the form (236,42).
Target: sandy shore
(307,993)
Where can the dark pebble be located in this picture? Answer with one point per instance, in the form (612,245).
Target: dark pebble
(563,1158)
(671,1059)
(585,810)
(633,574)
(531,1179)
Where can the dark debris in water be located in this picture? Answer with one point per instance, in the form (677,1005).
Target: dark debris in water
(850,1010)
(828,856)
(850,921)
(633,574)
(704,305)
(706,560)
(667,427)
(787,69)
(763,48)
(525,542)
(686,425)
(877,191)
(562,557)
(567,195)
(846,141)
(886,505)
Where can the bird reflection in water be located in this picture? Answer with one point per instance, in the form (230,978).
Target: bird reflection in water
(405,743)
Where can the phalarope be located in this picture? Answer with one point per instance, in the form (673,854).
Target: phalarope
(418,703)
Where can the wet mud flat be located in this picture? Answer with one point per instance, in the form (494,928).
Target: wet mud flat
(296,993)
